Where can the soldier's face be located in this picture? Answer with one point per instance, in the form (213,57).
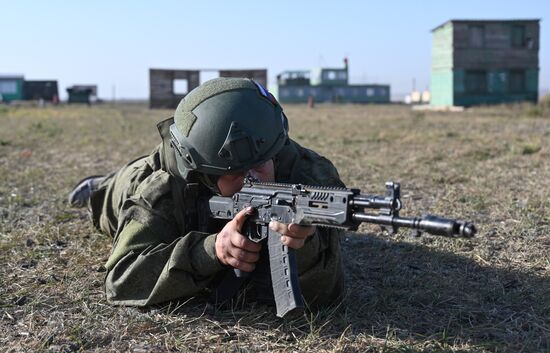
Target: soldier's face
(231,183)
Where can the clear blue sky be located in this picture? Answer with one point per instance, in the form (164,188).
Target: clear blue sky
(114,43)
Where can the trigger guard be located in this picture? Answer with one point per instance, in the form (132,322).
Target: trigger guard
(256,232)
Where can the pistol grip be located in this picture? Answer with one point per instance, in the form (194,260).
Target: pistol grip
(253,232)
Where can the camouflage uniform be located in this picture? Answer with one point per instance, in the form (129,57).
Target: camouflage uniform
(162,252)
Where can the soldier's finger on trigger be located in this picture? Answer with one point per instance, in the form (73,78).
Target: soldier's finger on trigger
(240,217)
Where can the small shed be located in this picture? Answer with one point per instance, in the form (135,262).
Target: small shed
(11,87)
(37,90)
(82,94)
(484,62)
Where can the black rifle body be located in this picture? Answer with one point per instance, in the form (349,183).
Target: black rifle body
(317,206)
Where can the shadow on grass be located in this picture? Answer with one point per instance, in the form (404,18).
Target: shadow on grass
(421,293)
(414,295)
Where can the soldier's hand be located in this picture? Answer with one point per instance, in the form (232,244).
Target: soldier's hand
(292,235)
(233,248)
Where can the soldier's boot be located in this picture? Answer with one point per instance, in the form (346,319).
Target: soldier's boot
(81,193)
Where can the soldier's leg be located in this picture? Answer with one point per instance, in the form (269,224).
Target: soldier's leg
(106,201)
(81,193)
(104,195)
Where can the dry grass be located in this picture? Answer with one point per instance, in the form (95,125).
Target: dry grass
(490,165)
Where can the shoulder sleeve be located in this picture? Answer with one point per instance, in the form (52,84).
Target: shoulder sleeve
(148,272)
(297,164)
(150,261)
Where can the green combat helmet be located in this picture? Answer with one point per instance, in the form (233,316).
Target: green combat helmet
(227,125)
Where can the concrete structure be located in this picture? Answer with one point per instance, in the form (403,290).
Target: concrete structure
(485,62)
(168,87)
(327,85)
(11,87)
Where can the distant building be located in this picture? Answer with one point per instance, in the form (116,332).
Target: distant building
(41,90)
(327,85)
(484,62)
(168,87)
(16,88)
(11,88)
(82,94)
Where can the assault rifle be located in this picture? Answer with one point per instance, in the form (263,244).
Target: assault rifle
(318,206)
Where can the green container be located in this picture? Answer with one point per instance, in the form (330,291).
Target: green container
(79,95)
(11,88)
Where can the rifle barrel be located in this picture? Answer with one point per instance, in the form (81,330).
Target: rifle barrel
(435,225)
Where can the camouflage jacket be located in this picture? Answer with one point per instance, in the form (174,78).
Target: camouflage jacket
(161,254)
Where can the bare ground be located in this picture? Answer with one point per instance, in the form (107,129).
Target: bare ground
(490,165)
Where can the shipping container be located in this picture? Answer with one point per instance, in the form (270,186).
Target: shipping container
(11,88)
